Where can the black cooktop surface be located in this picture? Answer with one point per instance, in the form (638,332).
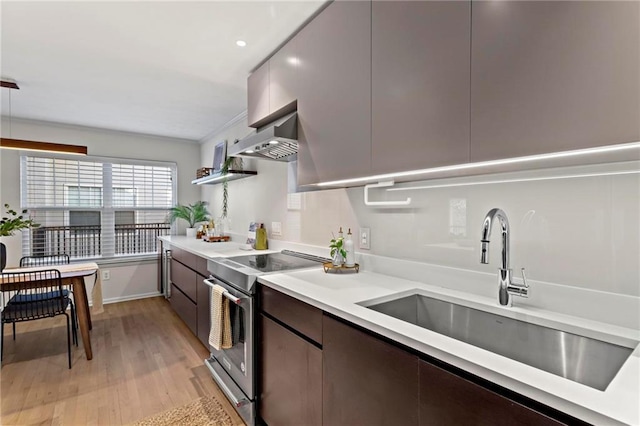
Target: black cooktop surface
(283,261)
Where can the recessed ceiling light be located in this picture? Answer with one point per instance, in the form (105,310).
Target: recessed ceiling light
(249,151)
(274,142)
(241,43)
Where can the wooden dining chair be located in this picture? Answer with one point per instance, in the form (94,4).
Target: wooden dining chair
(43,298)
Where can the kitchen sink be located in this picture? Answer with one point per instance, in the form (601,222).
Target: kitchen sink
(582,359)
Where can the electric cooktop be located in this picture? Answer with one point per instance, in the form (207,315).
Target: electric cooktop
(283,261)
(243,271)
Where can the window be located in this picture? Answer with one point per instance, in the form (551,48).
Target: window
(95,207)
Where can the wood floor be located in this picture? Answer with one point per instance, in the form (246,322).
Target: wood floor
(145,360)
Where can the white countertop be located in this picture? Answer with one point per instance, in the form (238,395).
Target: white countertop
(339,294)
(210,250)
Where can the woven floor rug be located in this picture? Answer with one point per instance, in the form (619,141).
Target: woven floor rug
(201,412)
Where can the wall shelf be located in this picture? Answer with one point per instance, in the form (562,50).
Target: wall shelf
(217,178)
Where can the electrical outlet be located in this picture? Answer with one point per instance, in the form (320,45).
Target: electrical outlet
(365,238)
(106,275)
(276,229)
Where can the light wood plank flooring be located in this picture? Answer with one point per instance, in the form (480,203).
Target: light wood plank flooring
(145,360)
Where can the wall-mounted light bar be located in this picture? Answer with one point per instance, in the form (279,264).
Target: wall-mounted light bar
(517,180)
(19,144)
(479,165)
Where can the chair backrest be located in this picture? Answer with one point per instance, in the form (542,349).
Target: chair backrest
(54,259)
(40,291)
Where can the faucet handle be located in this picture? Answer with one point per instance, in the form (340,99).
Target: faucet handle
(521,290)
(524,279)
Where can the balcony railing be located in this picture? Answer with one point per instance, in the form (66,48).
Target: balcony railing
(86,241)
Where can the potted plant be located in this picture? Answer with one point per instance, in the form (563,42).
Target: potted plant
(193,213)
(11,222)
(338,253)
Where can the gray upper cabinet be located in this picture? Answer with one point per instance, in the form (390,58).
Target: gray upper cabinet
(553,76)
(258,94)
(282,77)
(420,84)
(271,89)
(334,98)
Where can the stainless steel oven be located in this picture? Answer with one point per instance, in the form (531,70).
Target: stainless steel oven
(233,369)
(238,361)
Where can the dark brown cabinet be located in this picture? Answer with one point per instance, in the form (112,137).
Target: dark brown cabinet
(355,377)
(189,295)
(553,76)
(290,360)
(334,93)
(184,278)
(300,316)
(291,379)
(183,291)
(184,307)
(420,84)
(447,399)
(366,381)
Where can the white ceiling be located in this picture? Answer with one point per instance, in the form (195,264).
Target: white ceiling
(160,68)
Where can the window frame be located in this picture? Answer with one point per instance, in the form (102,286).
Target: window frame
(108,251)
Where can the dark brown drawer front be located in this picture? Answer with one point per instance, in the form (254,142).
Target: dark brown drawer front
(201,266)
(291,379)
(184,278)
(446,399)
(367,381)
(298,315)
(185,308)
(184,257)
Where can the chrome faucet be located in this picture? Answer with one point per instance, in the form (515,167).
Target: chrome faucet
(505,287)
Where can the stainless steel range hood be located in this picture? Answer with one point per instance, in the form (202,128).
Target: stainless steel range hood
(276,141)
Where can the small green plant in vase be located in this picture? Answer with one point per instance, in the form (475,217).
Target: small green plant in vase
(193,213)
(338,253)
(10,248)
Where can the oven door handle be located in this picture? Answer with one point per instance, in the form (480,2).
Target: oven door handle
(237,398)
(226,294)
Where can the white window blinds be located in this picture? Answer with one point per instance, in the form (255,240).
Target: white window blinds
(96,207)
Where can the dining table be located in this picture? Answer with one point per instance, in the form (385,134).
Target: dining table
(73,275)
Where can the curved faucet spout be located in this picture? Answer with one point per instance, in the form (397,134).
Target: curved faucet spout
(486,233)
(505,287)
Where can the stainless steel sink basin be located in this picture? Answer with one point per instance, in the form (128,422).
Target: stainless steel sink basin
(584,360)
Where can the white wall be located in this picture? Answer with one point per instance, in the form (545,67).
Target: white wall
(127,280)
(581,232)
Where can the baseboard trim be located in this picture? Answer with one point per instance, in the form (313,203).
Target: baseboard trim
(129,298)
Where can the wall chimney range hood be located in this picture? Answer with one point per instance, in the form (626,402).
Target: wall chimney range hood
(276,141)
